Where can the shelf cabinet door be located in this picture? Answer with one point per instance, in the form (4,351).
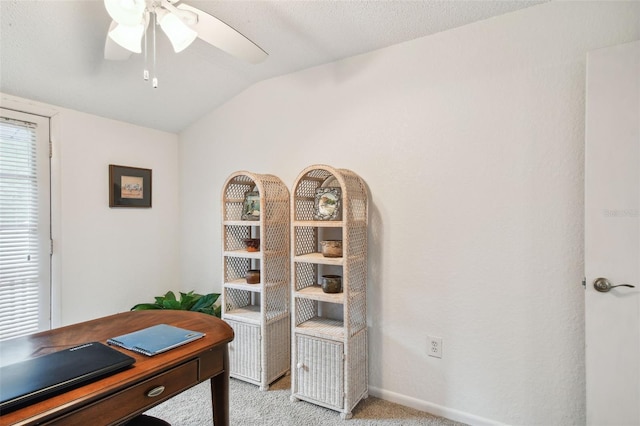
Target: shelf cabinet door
(320,370)
(244,351)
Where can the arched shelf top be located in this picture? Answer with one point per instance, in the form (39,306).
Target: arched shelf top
(266,184)
(352,187)
(273,194)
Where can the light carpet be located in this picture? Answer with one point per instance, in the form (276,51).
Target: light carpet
(248,405)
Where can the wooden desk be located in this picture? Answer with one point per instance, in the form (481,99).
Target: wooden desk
(117,398)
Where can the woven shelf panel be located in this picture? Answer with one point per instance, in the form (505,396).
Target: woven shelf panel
(356,275)
(276,237)
(276,200)
(357,197)
(306,240)
(278,350)
(236,298)
(318,174)
(305,310)
(321,376)
(304,209)
(276,211)
(276,270)
(357,237)
(358,210)
(233,210)
(276,301)
(235,268)
(238,185)
(305,275)
(357,380)
(305,193)
(273,187)
(234,236)
(244,351)
(357,313)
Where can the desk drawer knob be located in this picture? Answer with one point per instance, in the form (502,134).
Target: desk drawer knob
(155,391)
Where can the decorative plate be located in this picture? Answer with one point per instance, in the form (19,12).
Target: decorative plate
(327,204)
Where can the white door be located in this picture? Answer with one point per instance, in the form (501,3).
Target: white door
(612,235)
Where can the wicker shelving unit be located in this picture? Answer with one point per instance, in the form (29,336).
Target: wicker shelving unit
(329,362)
(258,313)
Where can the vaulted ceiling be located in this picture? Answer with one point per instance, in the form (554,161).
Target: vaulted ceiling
(52,51)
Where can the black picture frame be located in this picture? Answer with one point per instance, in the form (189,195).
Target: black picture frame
(129,186)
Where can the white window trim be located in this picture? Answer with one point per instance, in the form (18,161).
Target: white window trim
(55,137)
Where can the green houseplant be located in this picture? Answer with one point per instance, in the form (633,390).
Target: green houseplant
(188,302)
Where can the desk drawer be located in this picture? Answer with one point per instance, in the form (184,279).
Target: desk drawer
(134,399)
(212,363)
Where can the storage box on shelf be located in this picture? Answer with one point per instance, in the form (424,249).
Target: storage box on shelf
(329,336)
(258,313)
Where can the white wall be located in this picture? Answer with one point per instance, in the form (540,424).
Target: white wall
(113,258)
(471,143)
(107,259)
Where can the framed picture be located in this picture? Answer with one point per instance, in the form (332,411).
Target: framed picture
(251,206)
(327,204)
(129,186)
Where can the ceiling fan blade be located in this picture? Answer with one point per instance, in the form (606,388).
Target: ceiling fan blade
(217,33)
(112,50)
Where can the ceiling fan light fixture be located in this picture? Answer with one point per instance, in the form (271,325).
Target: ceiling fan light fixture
(180,35)
(126,12)
(128,36)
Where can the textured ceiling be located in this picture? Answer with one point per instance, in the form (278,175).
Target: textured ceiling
(52,51)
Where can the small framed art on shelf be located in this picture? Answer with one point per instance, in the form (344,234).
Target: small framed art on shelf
(251,206)
(129,186)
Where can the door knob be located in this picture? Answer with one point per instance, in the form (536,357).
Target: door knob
(603,285)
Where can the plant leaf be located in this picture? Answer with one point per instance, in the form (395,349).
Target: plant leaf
(146,306)
(204,302)
(171,304)
(190,301)
(207,311)
(194,299)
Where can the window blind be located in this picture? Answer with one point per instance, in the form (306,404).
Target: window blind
(20,236)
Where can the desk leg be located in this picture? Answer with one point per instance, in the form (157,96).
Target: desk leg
(220,394)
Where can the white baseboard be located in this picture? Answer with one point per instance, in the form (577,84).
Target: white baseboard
(429,407)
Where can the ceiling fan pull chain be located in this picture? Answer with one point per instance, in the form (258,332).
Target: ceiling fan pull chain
(145,73)
(154,82)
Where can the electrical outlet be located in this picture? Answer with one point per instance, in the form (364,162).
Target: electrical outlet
(434,346)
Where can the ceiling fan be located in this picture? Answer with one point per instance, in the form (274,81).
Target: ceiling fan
(180,22)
